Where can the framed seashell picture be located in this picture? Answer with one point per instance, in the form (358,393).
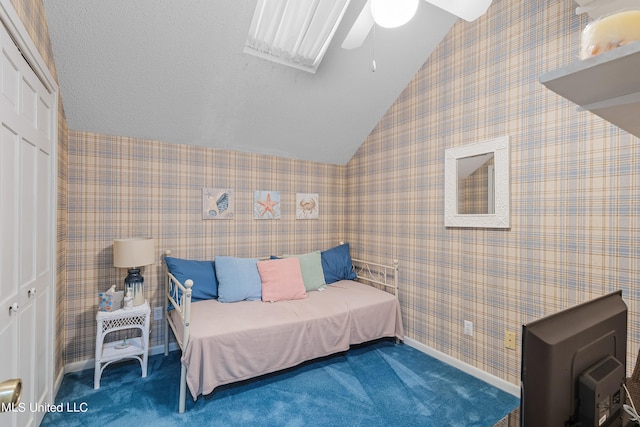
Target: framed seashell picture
(307,206)
(217,203)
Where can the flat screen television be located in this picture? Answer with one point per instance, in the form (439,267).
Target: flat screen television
(574,364)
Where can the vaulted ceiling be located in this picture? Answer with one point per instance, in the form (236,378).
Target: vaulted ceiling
(175,71)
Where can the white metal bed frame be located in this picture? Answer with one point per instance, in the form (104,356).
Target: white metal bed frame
(179,296)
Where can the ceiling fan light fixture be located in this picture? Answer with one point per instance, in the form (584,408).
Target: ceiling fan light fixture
(393,13)
(469,10)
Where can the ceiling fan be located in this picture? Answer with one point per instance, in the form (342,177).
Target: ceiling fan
(375,11)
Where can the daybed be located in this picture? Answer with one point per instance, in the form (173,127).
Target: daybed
(224,342)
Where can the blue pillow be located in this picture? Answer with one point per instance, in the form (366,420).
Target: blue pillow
(337,264)
(203,274)
(238,279)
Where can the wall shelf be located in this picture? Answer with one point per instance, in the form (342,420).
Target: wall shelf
(608,85)
(598,8)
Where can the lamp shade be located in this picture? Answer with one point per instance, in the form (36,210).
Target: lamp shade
(134,252)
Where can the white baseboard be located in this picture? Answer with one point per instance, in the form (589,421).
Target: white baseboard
(57,382)
(90,364)
(465,367)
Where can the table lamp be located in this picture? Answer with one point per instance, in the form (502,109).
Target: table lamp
(132,254)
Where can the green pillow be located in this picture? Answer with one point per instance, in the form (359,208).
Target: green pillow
(311,266)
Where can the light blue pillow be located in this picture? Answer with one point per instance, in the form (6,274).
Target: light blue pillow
(203,274)
(337,264)
(238,279)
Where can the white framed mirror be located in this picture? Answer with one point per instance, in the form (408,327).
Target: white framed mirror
(477,185)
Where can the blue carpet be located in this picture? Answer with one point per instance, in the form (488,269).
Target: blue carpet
(378,384)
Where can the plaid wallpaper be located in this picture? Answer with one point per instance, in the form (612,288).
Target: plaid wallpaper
(575,189)
(126,187)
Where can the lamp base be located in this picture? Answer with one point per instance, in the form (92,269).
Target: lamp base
(135,282)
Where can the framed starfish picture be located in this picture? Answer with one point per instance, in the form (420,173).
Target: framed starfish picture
(266,205)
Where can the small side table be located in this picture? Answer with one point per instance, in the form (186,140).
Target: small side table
(130,318)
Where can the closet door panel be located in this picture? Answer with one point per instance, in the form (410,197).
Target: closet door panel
(27,232)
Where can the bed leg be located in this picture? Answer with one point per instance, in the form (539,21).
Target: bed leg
(166,338)
(183,388)
(167,288)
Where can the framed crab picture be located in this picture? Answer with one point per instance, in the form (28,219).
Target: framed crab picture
(217,203)
(307,206)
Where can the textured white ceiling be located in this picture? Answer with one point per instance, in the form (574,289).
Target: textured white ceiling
(175,71)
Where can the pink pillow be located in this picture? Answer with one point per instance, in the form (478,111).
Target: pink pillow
(281,279)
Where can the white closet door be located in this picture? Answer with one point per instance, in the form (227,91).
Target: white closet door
(27,187)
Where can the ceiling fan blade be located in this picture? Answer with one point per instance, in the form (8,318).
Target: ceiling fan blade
(361,28)
(469,10)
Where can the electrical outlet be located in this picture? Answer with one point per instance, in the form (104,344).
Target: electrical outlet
(158,312)
(510,340)
(468,328)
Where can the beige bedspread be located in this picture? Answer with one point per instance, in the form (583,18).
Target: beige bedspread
(235,341)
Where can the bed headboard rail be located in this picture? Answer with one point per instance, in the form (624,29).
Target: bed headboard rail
(179,297)
(382,275)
